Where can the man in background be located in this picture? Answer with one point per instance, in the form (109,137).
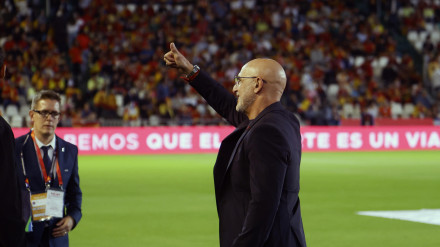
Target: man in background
(256,175)
(11,222)
(49,165)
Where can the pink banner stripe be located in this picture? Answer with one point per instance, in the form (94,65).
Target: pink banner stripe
(207,139)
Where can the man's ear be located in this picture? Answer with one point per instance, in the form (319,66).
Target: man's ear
(258,85)
(31,115)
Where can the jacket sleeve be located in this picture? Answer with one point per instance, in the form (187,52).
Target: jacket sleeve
(11,226)
(268,158)
(73,192)
(218,98)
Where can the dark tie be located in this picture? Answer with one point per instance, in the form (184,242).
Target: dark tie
(46,158)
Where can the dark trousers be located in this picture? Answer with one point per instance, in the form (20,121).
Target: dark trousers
(31,240)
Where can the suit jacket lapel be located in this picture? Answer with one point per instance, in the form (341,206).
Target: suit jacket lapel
(226,156)
(61,159)
(236,147)
(32,166)
(225,152)
(245,127)
(248,128)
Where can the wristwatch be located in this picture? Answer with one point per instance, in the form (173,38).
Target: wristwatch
(193,73)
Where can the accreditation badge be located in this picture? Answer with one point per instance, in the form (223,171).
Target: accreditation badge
(55,203)
(38,204)
(47,205)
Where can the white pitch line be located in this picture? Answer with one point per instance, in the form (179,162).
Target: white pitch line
(427,216)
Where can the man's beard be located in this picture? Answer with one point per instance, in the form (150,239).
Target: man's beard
(244,105)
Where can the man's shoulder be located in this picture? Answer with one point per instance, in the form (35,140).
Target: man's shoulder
(280,120)
(66,143)
(3,123)
(4,126)
(281,115)
(21,139)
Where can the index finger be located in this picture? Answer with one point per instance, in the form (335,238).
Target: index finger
(169,56)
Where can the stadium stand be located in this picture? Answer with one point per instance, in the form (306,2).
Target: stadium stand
(344,59)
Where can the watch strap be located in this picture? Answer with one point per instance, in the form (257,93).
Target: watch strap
(192,74)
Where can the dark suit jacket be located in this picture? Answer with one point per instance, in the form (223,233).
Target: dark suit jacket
(68,160)
(11,223)
(256,175)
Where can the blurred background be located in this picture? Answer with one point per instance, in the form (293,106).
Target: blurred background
(348,62)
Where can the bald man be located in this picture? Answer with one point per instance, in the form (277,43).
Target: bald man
(256,175)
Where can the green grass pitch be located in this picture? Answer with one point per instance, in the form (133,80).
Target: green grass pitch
(168,200)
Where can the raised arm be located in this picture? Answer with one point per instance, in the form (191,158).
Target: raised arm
(213,92)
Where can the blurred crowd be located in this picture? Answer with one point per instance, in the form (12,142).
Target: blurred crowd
(343,59)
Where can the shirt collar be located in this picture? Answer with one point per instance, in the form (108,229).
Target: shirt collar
(51,143)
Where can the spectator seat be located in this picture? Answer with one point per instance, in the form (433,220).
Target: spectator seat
(396,110)
(24,111)
(11,110)
(407,111)
(348,110)
(16,121)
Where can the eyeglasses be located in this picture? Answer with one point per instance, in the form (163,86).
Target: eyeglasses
(237,79)
(45,114)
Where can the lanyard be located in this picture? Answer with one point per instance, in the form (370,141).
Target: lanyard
(47,178)
(26,179)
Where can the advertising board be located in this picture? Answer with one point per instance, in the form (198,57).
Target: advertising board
(207,139)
